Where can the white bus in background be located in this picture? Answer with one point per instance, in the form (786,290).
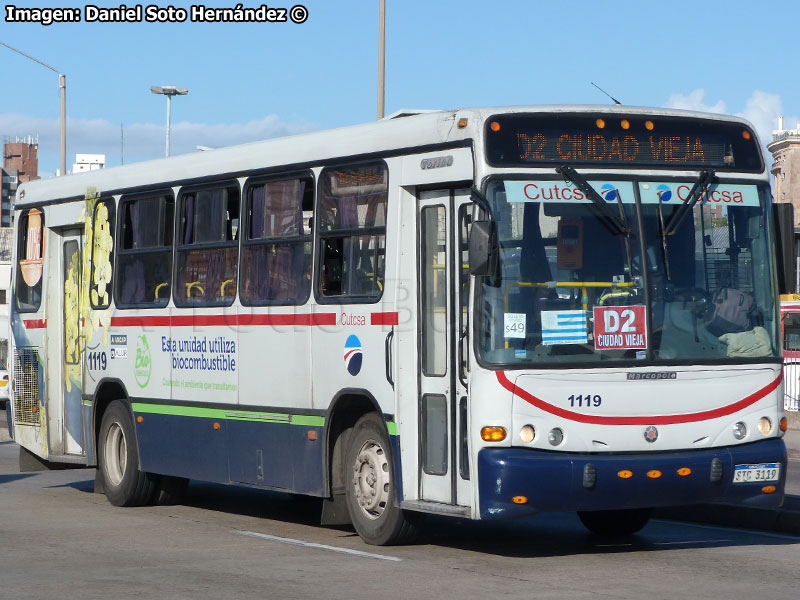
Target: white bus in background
(482,313)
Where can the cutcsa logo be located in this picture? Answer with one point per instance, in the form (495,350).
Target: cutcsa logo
(664,193)
(609,192)
(352,355)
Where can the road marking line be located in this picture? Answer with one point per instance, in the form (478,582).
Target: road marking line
(283,540)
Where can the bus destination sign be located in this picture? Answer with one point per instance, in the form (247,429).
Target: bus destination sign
(620,140)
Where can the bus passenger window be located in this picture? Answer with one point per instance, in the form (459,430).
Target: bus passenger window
(208,253)
(30,255)
(352,222)
(144,252)
(276,252)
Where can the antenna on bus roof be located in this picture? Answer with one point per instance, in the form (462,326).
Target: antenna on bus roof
(605,92)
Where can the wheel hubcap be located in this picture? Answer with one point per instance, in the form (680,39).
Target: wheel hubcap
(116,453)
(371,479)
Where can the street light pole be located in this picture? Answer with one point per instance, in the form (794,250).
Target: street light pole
(169,91)
(62,85)
(382,60)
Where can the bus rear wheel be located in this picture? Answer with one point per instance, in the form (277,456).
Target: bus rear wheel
(118,459)
(371,493)
(615,522)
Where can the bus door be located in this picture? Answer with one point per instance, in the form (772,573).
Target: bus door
(442,400)
(65,422)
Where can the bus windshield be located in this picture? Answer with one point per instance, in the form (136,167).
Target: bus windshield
(663,279)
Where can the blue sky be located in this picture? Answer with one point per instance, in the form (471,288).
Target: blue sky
(254,81)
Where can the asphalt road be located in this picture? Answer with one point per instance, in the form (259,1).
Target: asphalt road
(59,539)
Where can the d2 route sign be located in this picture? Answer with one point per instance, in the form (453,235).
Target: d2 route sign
(620,327)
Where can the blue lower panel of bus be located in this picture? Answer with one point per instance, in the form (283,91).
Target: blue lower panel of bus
(558,482)
(271,455)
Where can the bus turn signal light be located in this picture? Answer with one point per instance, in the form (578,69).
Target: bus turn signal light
(654,474)
(784,425)
(493,434)
(769,489)
(463,123)
(519,500)
(625,474)
(684,471)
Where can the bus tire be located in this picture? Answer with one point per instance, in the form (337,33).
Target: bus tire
(615,522)
(124,483)
(370,491)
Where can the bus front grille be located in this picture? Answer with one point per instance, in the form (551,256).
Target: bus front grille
(26,386)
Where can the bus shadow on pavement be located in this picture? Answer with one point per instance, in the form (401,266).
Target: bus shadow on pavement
(252,502)
(14,477)
(540,536)
(562,534)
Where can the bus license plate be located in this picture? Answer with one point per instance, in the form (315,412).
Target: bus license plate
(756,473)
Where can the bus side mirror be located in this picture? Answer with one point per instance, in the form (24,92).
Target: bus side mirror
(483,248)
(786,255)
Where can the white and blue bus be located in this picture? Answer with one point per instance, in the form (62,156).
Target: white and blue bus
(481,313)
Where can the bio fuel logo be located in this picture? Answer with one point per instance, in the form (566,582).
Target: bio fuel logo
(143,366)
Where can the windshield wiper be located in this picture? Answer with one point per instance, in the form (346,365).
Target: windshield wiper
(596,199)
(663,235)
(697,191)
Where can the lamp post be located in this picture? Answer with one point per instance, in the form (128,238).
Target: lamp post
(62,85)
(169,91)
(381,58)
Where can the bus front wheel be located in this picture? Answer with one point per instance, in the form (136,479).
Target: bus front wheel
(368,476)
(615,522)
(123,482)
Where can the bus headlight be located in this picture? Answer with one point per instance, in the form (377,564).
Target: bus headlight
(555,437)
(739,430)
(527,433)
(764,425)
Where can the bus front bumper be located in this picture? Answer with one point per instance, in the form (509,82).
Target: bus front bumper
(517,481)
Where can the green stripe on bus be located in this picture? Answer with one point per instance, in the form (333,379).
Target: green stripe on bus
(178,411)
(391,427)
(308,420)
(232,414)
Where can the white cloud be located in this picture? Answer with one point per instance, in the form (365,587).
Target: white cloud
(142,140)
(762,109)
(694,100)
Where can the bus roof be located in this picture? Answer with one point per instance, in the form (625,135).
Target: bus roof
(404,130)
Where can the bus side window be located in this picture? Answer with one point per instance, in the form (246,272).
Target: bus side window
(351,217)
(144,251)
(208,252)
(276,252)
(30,258)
